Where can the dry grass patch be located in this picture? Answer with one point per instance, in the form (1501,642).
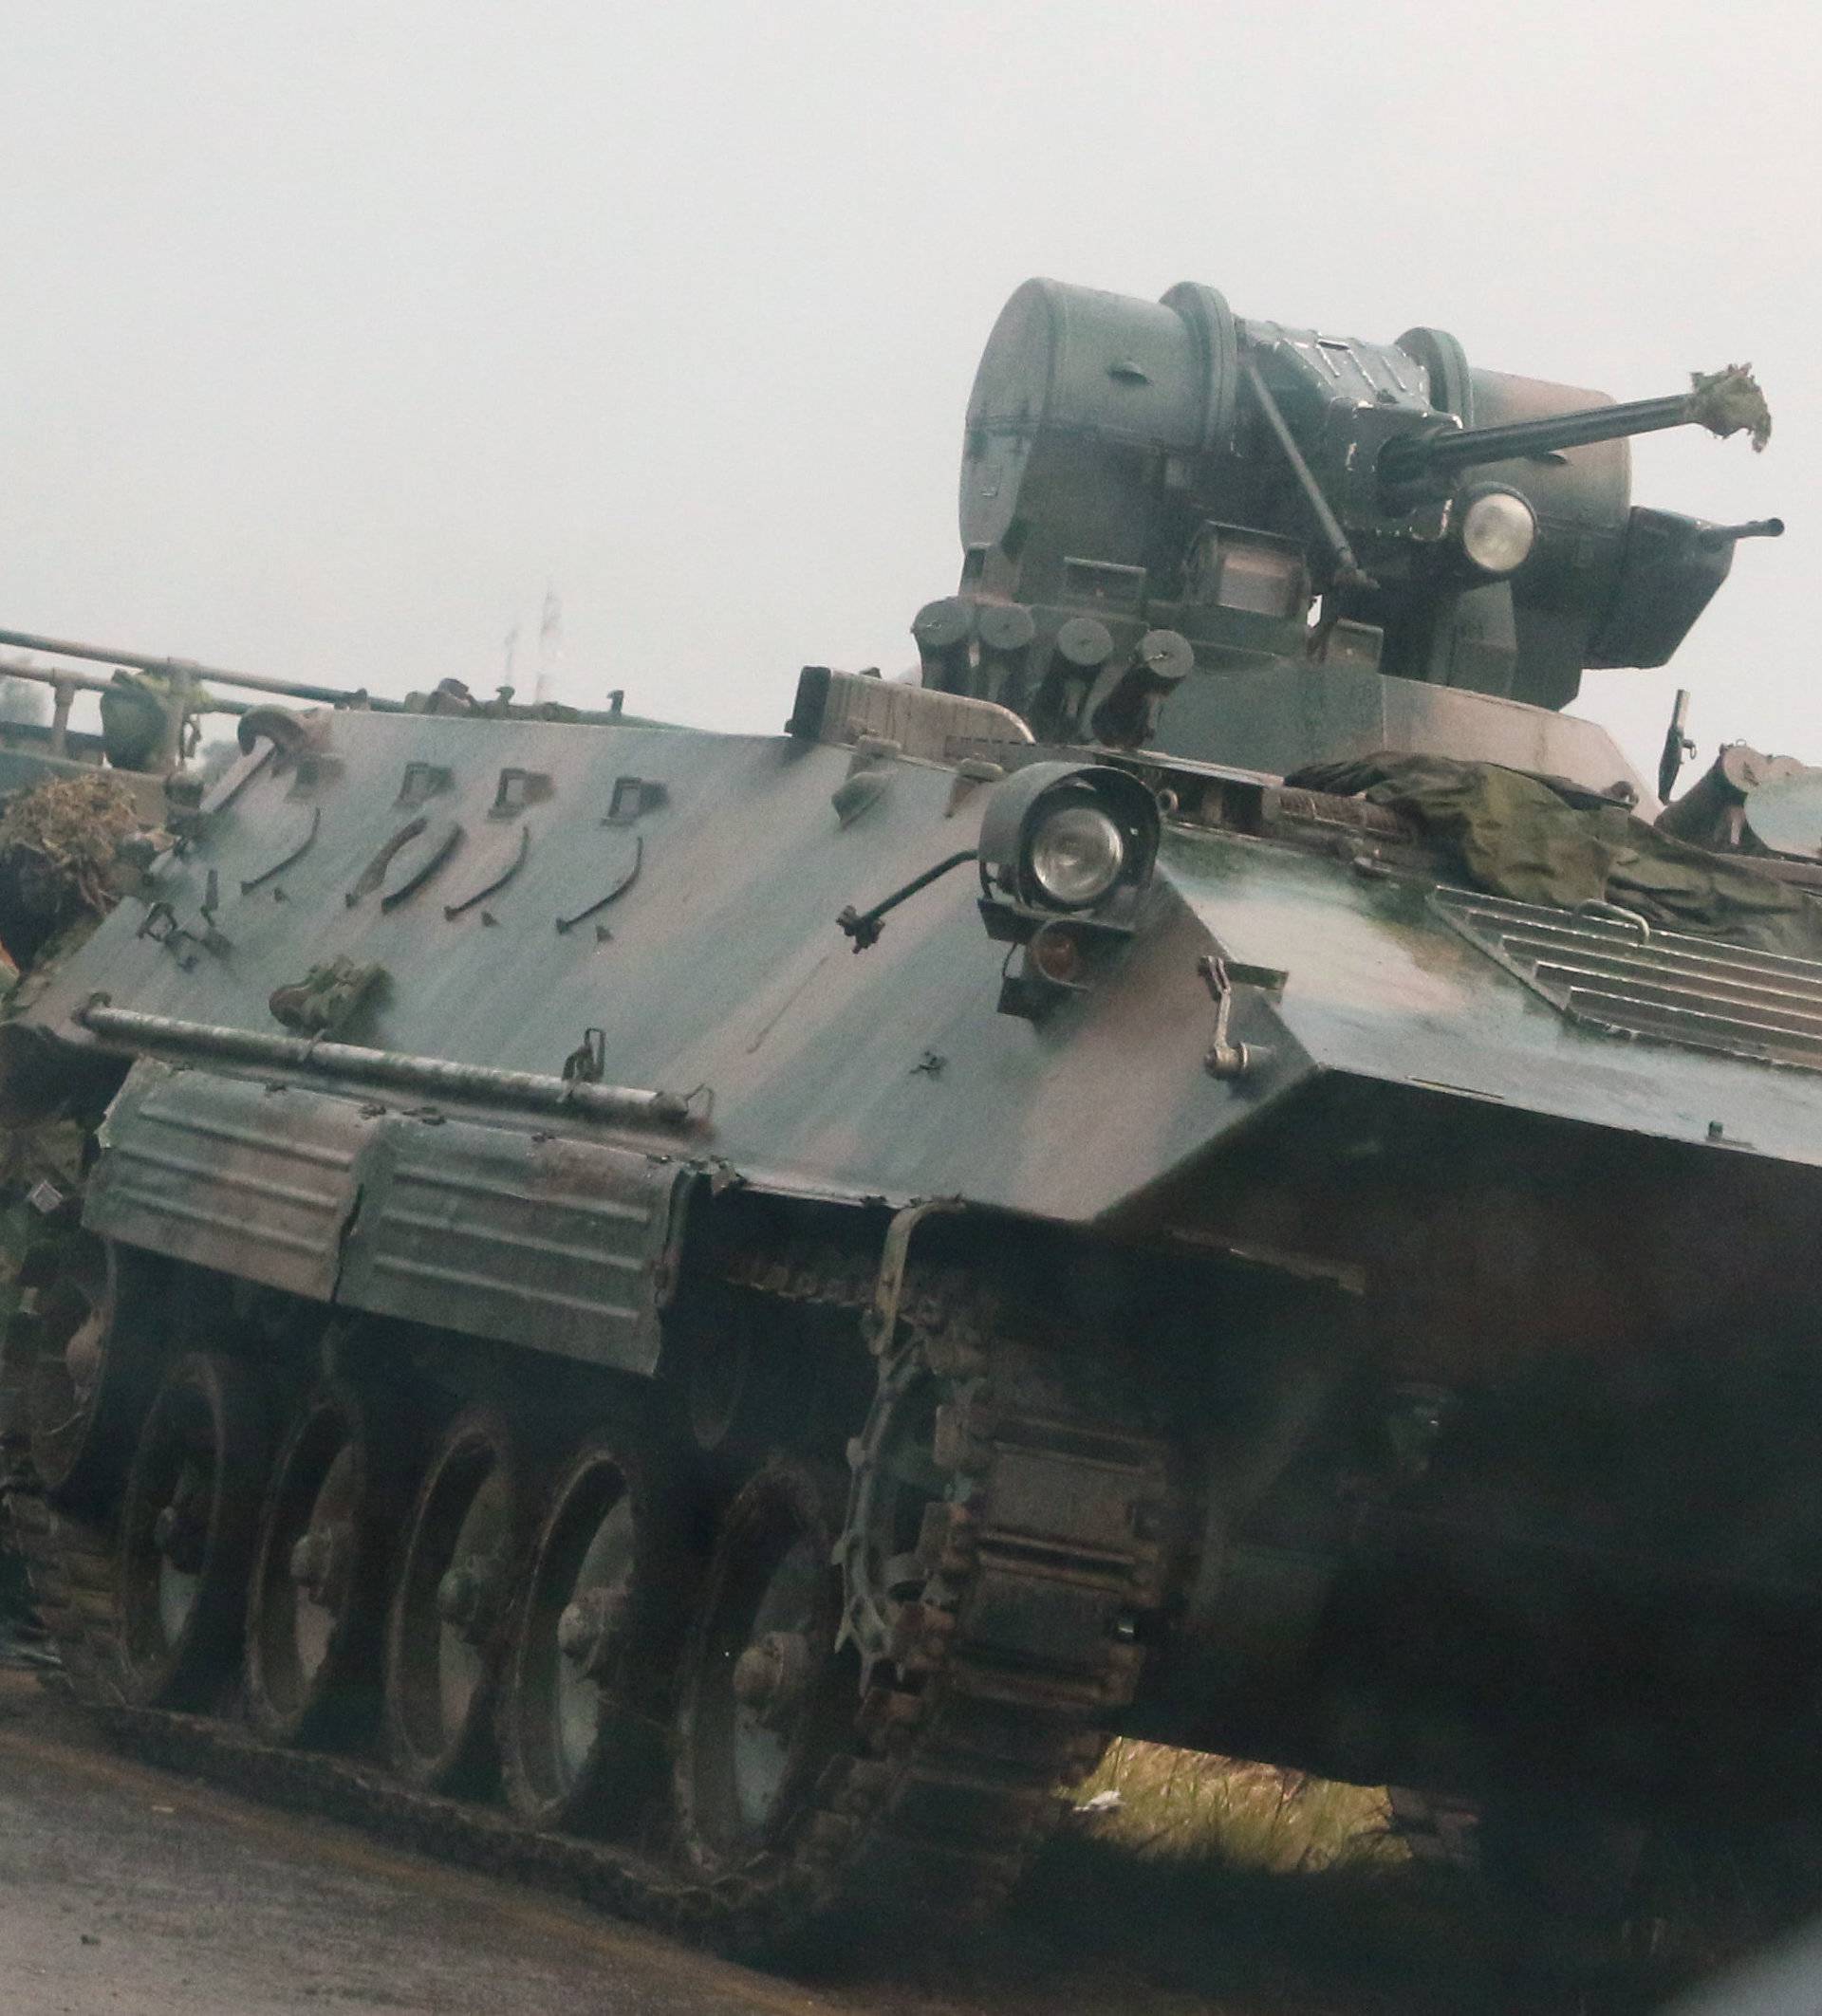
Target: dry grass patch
(1249,1816)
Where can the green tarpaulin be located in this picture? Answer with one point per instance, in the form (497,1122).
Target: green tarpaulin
(1517,836)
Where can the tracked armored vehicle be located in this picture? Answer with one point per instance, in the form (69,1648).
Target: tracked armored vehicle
(713,1311)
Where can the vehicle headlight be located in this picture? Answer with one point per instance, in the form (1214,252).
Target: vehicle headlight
(1498,531)
(1076,855)
(1076,837)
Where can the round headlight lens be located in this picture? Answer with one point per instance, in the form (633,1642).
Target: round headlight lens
(1498,529)
(1076,855)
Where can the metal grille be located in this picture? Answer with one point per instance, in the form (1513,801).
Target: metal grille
(1611,974)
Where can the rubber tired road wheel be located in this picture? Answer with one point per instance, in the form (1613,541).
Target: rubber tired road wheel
(95,1365)
(317,1610)
(189,1521)
(444,1632)
(595,1644)
(767,1702)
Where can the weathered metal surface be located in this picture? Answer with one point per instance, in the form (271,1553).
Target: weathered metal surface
(725,968)
(481,1084)
(558,1244)
(491,1230)
(845,708)
(1623,977)
(722,966)
(1381,988)
(252,1180)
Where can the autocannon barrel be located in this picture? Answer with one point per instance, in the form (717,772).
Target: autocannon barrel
(1725,402)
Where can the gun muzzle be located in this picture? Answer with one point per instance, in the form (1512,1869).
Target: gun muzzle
(1715,536)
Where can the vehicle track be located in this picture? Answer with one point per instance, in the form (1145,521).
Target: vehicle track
(984,1702)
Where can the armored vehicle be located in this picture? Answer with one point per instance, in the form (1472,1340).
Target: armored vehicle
(1198,1167)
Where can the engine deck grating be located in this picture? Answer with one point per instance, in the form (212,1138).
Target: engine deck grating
(1601,970)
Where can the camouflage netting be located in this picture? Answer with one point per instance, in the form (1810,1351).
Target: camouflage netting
(1729,401)
(62,844)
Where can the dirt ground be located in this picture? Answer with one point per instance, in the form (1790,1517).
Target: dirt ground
(126,1889)
(123,1889)
(131,1890)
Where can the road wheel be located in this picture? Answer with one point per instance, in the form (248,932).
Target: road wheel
(188,1522)
(317,1607)
(444,1632)
(767,1702)
(595,1644)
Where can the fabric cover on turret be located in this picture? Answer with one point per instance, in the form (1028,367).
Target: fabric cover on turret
(1517,836)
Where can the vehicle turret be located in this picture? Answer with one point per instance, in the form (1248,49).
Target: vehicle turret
(1310,515)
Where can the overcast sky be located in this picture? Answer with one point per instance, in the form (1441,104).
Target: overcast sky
(335,331)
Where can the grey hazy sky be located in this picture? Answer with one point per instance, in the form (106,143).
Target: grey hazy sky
(335,330)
